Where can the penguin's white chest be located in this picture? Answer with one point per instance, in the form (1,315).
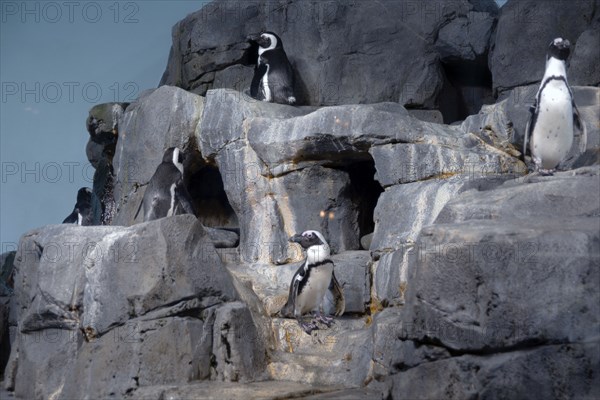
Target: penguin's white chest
(314,291)
(171,211)
(552,134)
(265,85)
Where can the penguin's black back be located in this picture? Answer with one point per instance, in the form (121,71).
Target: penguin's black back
(83,206)
(281,75)
(157,198)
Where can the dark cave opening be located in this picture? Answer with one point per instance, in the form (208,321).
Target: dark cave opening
(467,86)
(206,189)
(364,192)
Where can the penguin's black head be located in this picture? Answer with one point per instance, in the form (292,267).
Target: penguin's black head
(559,48)
(84,195)
(173,155)
(267,41)
(308,238)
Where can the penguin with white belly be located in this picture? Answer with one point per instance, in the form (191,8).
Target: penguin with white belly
(311,282)
(550,130)
(273,79)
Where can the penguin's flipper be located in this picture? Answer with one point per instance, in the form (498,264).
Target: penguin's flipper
(72,218)
(259,72)
(582,128)
(281,81)
(529,127)
(138,210)
(289,309)
(338,295)
(156,211)
(185,200)
(577,149)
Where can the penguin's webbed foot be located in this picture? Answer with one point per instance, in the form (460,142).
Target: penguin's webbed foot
(546,172)
(308,327)
(324,320)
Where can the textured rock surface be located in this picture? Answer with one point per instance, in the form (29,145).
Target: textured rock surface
(103,122)
(120,308)
(585,59)
(222,238)
(7,324)
(239,353)
(569,371)
(475,281)
(103,126)
(516,62)
(7,264)
(339,355)
(330,44)
(420,203)
(158,119)
(283,167)
(264,390)
(5,345)
(495,288)
(466,37)
(407,163)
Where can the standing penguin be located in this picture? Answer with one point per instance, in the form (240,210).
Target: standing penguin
(273,79)
(166,194)
(311,282)
(553,114)
(82,212)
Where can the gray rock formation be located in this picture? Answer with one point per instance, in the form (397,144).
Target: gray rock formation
(501,281)
(103,126)
(288,159)
(103,122)
(263,390)
(119,308)
(7,261)
(343,53)
(158,119)
(526,28)
(7,324)
(568,371)
(585,60)
(474,280)
(466,37)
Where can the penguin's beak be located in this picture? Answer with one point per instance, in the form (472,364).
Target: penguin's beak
(297,238)
(253,37)
(259,39)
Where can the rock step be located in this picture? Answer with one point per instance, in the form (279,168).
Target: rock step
(265,390)
(327,356)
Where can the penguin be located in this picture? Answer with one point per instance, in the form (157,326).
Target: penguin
(311,282)
(82,212)
(273,79)
(553,114)
(166,194)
